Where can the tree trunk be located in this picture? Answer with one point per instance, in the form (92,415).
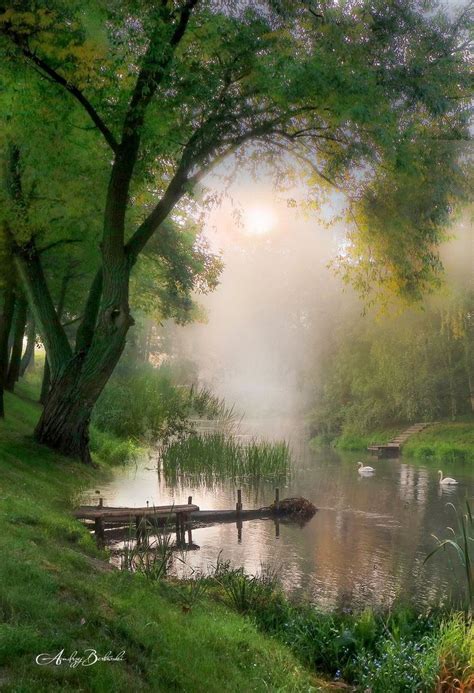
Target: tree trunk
(46,382)
(5,328)
(17,347)
(28,359)
(64,423)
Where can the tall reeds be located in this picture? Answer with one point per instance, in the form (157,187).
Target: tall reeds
(220,454)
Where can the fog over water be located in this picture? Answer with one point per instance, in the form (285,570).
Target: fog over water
(278,300)
(276,296)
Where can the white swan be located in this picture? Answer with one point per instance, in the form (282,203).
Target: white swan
(365,470)
(447,481)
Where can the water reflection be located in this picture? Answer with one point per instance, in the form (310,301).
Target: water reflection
(366,544)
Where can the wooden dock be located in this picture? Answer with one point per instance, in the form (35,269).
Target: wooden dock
(185,516)
(393,447)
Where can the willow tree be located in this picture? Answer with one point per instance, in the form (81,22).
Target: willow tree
(359,93)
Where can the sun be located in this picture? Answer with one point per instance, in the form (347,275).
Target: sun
(259,220)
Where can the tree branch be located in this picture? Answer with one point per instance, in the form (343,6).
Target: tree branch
(71,88)
(148,79)
(63,241)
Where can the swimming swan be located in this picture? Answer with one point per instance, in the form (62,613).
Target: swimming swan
(365,470)
(447,481)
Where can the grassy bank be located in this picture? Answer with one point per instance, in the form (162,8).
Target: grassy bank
(442,442)
(355,441)
(57,593)
(395,652)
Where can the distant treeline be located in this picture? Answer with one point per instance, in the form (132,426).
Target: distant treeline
(417,366)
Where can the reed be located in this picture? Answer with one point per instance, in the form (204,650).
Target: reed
(462,543)
(219,454)
(152,555)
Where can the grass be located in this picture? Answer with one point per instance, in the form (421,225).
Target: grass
(395,652)
(56,593)
(443,442)
(220,454)
(355,441)
(223,632)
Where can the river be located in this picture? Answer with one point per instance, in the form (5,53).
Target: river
(366,545)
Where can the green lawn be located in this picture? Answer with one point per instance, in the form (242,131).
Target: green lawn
(56,593)
(443,442)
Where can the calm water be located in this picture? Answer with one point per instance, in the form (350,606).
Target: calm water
(365,545)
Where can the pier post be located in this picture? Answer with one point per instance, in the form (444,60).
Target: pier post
(99,528)
(277,499)
(190,535)
(182,527)
(190,500)
(178,531)
(101,502)
(140,528)
(238,505)
(239,531)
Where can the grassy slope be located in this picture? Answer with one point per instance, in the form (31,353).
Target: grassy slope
(445,441)
(55,594)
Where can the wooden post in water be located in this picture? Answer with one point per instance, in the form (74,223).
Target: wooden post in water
(182,527)
(101,502)
(140,528)
(238,505)
(190,500)
(239,530)
(99,528)
(190,535)
(178,530)
(277,499)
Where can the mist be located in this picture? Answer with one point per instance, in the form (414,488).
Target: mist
(275,300)
(279,301)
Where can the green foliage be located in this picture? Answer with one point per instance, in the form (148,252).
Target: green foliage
(401,369)
(397,651)
(221,454)
(114,450)
(143,402)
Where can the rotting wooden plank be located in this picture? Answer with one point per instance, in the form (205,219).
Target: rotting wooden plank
(91,512)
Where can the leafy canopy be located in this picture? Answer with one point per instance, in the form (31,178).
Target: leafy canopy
(363,96)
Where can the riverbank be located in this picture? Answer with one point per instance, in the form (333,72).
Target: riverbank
(441,442)
(58,593)
(221,632)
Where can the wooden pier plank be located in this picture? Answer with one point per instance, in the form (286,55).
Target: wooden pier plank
(89,512)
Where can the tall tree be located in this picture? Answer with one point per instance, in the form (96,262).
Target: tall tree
(363,94)
(18,333)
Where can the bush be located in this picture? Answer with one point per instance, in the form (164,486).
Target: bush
(114,450)
(147,403)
